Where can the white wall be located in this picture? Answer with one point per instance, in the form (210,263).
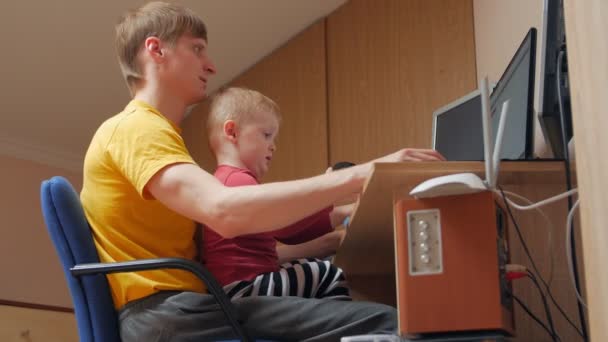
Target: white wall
(31,271)
(500,26)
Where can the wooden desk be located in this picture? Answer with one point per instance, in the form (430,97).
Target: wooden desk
(367,254)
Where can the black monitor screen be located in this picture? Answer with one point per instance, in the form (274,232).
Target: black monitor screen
(517,84)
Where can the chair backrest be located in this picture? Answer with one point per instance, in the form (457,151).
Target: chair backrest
(68,227)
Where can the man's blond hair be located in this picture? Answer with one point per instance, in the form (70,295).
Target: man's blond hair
(238,104)
(166,21)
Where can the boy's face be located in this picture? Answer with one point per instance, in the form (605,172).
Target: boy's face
(256,143)
(187,69)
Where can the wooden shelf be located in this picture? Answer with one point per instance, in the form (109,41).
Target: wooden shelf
(368,248)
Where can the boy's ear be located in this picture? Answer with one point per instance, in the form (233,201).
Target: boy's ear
(230,130)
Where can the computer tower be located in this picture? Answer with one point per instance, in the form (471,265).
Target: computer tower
(451,252)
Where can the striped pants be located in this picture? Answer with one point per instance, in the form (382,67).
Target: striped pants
(306,278)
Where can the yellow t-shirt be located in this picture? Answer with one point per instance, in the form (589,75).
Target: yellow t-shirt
(126,151)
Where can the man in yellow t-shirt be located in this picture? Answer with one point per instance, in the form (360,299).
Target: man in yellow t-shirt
(142,193)
(125,153)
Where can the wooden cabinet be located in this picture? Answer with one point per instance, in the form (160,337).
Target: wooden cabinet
(586,27)
(19,324)
(366,259)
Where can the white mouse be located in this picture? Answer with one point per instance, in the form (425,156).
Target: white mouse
(457,184)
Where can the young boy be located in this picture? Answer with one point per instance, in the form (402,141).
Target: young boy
(242,126)
(142,193)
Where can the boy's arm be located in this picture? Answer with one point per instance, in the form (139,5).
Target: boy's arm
(307,229)
(314,226)
(320,247)
(192,192)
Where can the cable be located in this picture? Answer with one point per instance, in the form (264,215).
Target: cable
(529,312)
(525,246)
(569,252)
(514,271)
(546,306)
(572,247)
(550,246)
(543,202)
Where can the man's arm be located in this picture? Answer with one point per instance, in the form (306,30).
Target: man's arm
(192,192)
(232,211)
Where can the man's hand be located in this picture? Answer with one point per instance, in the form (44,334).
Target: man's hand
(411,154)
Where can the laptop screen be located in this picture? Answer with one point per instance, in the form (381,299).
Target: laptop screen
(457,129)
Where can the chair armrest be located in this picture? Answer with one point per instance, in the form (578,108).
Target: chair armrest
(169,263)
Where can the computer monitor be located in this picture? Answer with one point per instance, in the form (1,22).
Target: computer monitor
(517,84)
(457,129)
(549,116)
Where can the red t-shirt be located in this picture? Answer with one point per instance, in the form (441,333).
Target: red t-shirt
(246,256)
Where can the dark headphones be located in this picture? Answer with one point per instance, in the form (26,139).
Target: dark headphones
(342,165)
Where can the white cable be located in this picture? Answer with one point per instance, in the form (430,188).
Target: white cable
(550,248)
(569,251)
(543,202)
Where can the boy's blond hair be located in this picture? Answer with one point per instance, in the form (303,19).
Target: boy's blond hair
(238,104)
(167,21)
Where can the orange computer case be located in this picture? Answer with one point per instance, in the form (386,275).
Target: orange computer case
(454,283)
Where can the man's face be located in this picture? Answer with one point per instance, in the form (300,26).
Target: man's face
(188,69)
(256,143)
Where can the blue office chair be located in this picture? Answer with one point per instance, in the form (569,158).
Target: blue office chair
(95,314)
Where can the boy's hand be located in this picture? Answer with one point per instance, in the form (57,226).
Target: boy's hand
(339,213)
(320,247)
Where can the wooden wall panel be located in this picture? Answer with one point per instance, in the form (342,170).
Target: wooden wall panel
(293,76)
(390,64)
(195,135)
(586,27)
(19,324)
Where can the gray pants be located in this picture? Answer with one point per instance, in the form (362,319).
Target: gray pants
(190,316)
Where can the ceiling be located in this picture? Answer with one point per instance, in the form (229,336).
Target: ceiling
(59,78)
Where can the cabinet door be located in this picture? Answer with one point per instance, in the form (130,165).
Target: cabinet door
(390,65)
(586,26)
(33,325)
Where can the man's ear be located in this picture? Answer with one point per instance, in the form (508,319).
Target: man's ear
(230,130)
(153,47)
